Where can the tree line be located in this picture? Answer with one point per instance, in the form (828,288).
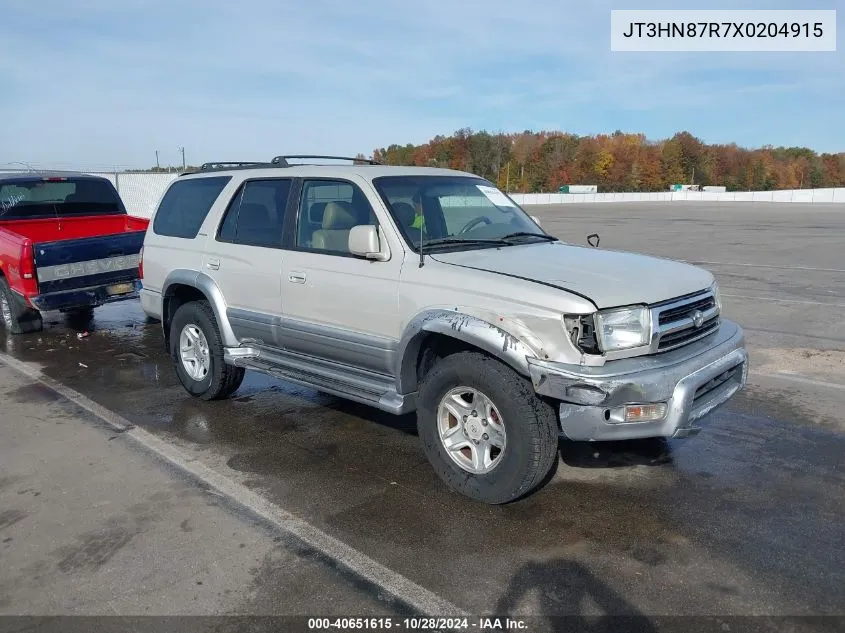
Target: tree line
(531,162)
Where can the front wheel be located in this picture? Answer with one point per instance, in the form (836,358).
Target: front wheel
(484,429)
(197,351)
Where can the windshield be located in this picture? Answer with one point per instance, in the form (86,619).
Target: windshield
(455,211)
(35,197)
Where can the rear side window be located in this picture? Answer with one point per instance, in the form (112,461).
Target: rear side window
(36,197)
(256,214)
(185,205)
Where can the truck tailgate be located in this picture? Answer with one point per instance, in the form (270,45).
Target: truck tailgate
(92,261)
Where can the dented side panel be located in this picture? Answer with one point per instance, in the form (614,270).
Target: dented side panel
(532,314)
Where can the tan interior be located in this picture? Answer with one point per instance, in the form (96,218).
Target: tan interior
(338,220)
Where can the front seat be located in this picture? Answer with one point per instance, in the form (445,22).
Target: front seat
(405,216)
(338,220)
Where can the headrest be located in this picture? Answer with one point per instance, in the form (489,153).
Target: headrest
(315,212)
(404,213)
(339,216)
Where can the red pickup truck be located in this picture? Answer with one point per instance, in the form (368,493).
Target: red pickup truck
(66,243)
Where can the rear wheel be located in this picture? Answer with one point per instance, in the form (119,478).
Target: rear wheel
(197,351)
(484,429)
(16,316)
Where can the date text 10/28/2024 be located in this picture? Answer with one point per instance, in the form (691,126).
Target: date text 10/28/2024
(418,624)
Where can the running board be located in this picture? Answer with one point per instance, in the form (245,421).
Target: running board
(366,387)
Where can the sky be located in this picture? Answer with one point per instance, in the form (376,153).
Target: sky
(96,84)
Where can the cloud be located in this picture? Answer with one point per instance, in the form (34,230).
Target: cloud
(96,83)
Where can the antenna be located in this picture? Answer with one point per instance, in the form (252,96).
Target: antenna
(422,224)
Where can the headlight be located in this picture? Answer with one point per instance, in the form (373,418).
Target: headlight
(715,290)
(623,328)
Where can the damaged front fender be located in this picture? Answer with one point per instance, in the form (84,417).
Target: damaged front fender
(463,327)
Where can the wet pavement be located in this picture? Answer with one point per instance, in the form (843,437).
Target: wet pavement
(745,518)
(91,525)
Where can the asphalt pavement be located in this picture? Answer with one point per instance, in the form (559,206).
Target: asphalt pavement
(744,519)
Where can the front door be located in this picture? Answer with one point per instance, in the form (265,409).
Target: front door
(338,306)
(245,258)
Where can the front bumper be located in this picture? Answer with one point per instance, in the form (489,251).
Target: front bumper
(692,381)
(82,297)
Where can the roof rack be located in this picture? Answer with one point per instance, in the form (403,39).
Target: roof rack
(282,161)
(232,165)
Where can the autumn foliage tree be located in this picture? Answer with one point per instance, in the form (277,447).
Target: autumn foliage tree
(544,161)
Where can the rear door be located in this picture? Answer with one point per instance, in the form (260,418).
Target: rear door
(244,257)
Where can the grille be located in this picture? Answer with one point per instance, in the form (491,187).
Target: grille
(676,326)
(680,312)
(688,335)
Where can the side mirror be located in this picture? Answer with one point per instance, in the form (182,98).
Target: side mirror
(364,242)
(536,221)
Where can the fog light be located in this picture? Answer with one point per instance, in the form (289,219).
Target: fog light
(645,412)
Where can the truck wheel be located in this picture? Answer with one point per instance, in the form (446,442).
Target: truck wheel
(484,430)
(197,351)
(17,317)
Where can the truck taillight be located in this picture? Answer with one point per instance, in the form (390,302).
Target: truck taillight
(141,263)
(27,268)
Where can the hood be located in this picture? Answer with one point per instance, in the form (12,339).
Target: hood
(608,278)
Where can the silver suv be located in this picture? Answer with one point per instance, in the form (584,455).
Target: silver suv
(430,291)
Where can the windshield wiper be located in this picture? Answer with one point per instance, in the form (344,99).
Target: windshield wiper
(548,238)
(445,241)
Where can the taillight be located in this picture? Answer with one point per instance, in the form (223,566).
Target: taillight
(27,268)
(141,264)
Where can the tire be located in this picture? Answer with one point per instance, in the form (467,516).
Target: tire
(15,316)
(530,446)
(218,380)
(85,312)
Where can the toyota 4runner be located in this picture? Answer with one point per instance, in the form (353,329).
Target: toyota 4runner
(430,291)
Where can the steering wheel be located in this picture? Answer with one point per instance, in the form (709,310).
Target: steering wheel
(474,221)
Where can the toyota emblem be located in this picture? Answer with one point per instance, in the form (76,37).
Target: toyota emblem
(698,318)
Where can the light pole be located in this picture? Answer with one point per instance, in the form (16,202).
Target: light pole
(182,149)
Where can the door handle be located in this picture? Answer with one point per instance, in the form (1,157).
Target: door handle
(297,278)
(213,263)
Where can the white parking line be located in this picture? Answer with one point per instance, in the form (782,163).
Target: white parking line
(800,379)
(776,300)
(358,563)
(810,268)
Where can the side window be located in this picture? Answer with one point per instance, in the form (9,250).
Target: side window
(256,214)
(328,209)
(185,205)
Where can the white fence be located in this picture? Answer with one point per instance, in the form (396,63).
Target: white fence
(142,192)
(807,196)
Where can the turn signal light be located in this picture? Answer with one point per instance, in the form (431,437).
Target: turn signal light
(645,412)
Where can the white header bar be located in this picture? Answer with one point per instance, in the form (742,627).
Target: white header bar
(723,31)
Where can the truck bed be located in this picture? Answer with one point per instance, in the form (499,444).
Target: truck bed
(71,228)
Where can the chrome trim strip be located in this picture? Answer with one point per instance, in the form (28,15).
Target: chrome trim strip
(89,267)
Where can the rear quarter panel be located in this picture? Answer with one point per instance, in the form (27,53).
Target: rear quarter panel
(164,254)
(10,250)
